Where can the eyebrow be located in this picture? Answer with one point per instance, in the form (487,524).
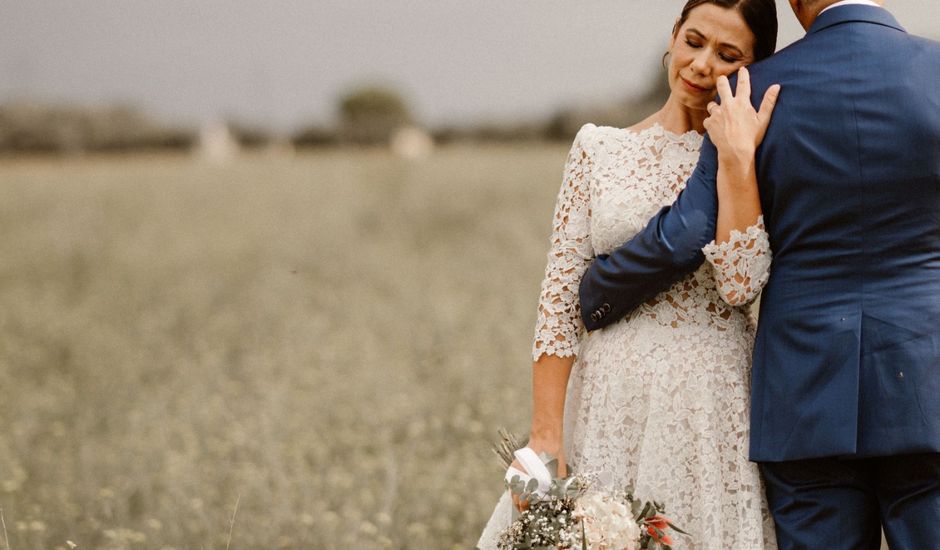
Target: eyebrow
(723,44)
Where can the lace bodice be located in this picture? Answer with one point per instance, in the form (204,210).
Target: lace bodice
(614,181)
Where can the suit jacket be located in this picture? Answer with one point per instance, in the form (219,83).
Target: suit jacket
(847,356)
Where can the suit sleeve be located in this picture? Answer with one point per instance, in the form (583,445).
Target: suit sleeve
(666,250)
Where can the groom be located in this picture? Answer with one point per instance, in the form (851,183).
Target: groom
(845,418)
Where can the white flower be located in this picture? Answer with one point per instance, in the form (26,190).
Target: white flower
(608,523)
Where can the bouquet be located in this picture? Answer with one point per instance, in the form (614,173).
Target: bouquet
(574,512)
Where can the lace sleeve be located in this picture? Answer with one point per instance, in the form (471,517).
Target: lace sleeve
(741,265)
(558,327)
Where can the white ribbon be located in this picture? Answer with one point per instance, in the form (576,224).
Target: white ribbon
(534,468)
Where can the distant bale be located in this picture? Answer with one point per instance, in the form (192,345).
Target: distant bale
(217,144)
(412,143)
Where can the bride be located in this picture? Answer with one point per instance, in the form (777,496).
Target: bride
(660,399)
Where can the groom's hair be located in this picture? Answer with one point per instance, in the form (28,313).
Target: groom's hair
(759,15)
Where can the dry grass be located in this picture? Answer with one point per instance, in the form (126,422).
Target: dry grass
(327,342)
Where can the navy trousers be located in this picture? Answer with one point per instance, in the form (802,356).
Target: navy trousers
(837,503)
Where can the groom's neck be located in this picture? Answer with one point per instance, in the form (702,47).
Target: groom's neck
(807,11)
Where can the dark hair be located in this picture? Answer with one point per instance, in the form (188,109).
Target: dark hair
(760,16)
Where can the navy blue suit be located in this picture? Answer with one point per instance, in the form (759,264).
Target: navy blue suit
(847,356)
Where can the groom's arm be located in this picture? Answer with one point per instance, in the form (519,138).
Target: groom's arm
(669,248)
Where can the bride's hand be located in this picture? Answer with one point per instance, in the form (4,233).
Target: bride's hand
(551,447)
(735,127)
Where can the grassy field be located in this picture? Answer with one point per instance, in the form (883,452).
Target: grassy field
(327,342)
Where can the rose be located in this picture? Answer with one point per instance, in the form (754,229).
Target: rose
(656,526)
(608,523)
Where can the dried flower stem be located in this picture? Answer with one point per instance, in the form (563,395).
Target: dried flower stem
(231,526)
(507,445)
(4,524)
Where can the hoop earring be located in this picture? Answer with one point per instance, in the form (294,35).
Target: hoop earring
(666,56)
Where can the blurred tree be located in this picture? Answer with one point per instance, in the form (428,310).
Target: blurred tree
(31,127)
(250,136)
(371,114)
(314,136)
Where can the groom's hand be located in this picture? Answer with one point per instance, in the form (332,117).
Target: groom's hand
(735,127)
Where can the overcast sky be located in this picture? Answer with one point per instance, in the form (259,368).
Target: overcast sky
(283,63)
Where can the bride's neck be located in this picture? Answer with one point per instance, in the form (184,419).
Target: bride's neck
(679,118)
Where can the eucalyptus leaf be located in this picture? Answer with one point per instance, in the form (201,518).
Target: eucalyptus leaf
(532,485)
(676,529)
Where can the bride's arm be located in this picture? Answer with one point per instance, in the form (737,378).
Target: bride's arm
(550,375)
(558,327)
(738,199)
(740,253)
(549,386)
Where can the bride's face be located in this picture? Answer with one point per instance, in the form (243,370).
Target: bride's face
(713,41)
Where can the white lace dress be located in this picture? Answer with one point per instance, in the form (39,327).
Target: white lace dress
(660,399)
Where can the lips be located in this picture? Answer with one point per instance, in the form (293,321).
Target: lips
(694,87)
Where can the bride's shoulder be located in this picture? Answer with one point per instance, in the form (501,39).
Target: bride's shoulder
(601,142)
(591,136)
(593,131)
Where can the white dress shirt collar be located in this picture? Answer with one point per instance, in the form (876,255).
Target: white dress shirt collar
(847,2)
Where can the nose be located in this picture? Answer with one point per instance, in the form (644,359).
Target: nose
(701,63)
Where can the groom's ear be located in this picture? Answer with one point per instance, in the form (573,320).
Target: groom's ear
(805,11)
